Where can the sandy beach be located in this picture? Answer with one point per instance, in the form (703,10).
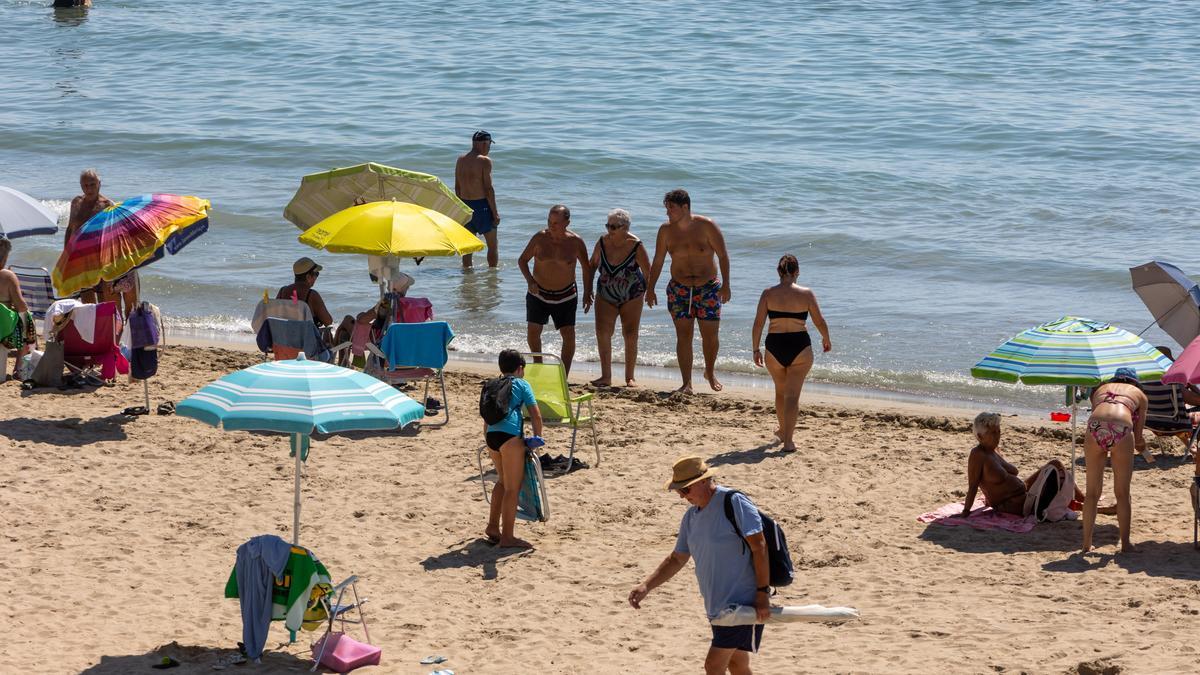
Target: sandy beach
(119,534)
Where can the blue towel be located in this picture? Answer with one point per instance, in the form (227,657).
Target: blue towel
(302,335)
(260,561)
(417,345)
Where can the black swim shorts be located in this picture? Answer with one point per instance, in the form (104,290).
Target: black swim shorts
(539,311)
(744,638)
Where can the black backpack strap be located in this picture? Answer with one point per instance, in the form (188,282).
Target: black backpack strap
(733,520)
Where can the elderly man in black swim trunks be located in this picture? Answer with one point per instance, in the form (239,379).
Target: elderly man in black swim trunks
(473,185)
(553,293)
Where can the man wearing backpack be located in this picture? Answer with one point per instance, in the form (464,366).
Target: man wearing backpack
(500,405)
(726,574)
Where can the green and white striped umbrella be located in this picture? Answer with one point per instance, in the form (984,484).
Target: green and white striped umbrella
(1071,351)
(323,194)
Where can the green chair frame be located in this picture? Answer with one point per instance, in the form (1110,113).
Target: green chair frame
(548,379)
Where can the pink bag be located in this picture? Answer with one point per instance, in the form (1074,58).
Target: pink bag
(413,310)
(344,653)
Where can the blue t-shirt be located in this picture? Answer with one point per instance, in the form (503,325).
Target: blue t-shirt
(724,570)
(522,395)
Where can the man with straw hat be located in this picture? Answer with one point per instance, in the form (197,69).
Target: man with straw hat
(724,571)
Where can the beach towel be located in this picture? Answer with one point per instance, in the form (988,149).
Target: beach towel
(982,518)
(421,345)
(532,502)
(83,315)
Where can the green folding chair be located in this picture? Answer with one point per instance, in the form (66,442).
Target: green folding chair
(548,379)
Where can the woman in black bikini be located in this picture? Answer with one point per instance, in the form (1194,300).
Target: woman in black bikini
(789,354)
(623,264)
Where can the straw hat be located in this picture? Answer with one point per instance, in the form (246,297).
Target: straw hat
(688,470)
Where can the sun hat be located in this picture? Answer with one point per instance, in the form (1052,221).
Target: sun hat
(688,470)
(304,266)
(1126,374)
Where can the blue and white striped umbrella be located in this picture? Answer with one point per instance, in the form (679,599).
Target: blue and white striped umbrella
(298,397)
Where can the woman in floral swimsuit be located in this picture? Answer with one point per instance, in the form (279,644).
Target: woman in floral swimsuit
(1114,432)
(623,264)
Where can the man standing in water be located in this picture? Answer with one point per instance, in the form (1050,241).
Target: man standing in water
(694,291)
(85,206)
(553,293)
(473,185)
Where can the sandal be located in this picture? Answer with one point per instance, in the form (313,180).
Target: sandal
(166,408)
(136,410)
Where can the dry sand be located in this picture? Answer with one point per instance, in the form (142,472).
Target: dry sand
(119,534)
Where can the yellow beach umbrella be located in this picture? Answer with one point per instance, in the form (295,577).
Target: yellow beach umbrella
(397,229)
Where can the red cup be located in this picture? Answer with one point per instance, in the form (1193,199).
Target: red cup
(1060,417)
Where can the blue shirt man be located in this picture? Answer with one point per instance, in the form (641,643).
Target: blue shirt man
(725,572)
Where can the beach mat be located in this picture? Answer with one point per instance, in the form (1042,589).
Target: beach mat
(981,518)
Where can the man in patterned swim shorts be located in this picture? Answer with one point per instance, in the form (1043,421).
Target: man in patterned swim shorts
(694,291)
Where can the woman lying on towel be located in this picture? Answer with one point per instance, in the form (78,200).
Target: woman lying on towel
(988,470)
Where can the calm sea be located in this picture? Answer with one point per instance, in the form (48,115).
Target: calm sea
(948,173)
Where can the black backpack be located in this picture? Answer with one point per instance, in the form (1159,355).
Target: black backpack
(779,561)
(495,400)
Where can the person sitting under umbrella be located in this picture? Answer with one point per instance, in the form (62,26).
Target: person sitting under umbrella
(306,272)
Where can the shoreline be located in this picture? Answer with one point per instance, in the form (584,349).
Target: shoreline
(664,378)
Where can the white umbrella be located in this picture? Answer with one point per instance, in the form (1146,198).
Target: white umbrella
(22,215)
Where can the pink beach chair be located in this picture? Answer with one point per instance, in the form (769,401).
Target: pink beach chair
(103,350)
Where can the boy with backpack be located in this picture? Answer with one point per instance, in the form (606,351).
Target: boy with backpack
(716,530)
(500,405)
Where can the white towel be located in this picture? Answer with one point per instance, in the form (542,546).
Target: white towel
(744,615)
(82,315)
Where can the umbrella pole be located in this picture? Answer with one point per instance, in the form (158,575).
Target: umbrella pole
(296,442)
(146,393)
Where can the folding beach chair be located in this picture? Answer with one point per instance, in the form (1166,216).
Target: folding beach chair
(533,501)
(548,378)
(285,327)
(335,649)
(103,350)
(36,288)
(419,351)
(1166,414)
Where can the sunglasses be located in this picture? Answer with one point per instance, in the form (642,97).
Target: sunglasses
(685,490)
(610,226)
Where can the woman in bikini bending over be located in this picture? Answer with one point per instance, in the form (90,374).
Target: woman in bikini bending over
(1115,431)
(623,265)
(789,354)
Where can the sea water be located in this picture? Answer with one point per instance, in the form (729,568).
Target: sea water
(948,173)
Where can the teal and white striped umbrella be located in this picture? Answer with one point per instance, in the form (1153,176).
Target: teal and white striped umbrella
(298,397)
(1071,351)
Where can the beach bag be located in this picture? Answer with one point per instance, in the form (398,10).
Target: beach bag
(495,400)
(779,560)
(49,368)
(1060,506)
(143,327)
(12,331)
(1047,489)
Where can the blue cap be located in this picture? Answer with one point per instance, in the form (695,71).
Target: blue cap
(1127,374)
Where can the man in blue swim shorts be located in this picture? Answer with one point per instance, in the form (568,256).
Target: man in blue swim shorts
(473,185)
(728,572)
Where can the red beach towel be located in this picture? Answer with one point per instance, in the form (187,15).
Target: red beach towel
(982,518)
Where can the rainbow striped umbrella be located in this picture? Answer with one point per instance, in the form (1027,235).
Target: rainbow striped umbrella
(1071,351)
(128,235)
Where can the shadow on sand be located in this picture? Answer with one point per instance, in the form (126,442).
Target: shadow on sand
(473,553)
(751,456)
(66,432)
(194,659)
(1174,559)
(1064,536)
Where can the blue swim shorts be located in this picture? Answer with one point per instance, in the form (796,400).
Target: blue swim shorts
(481,220)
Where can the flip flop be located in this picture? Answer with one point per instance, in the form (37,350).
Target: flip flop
(136,410)
(431,660)
(166,408)
(167,662)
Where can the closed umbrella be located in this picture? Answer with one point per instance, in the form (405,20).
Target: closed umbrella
(323,194)
(1172,298)
(297,397)
(1071,351)
(126,236)
(22,215)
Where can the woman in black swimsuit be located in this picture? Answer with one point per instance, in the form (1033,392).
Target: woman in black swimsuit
(789,354)
(622,262)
